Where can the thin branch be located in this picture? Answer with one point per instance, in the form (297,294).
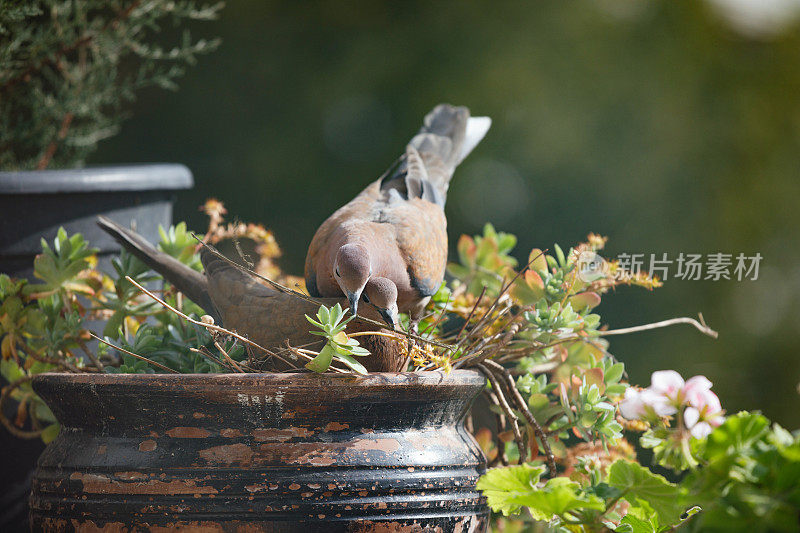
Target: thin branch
(513,329)
(701,326)
(509,412)
(92,357)
(228,358)
(500,422)
(137,356)
(213,359)
(469,316)
(441,315)
(523,407)
(212,327)
(375,334)
(507,286)
(50,151)
(62,363)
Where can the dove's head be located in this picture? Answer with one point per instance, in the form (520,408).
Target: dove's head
(382,294)
(352,270)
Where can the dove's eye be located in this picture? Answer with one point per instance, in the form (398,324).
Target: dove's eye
(366,298)
(337,273)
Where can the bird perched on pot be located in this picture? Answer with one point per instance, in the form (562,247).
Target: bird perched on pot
(381,293)
(269,317)
(396,228)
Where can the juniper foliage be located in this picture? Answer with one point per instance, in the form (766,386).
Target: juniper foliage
(69,67)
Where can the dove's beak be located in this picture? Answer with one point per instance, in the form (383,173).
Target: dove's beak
(389,317)
(353,298)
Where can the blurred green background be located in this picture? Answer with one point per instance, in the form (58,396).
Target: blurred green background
(670,126)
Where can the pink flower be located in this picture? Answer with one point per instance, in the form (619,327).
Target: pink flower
(697,383)
(631,406)
(668,393)
(658,403)
(700,422)
(641,404)
(698,429)
(667,382)
(697,393)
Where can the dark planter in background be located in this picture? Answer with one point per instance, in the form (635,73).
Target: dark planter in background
(260,452)
(33,205)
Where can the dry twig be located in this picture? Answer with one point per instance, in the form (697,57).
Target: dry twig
(523,407)
(701,326)
(137,356)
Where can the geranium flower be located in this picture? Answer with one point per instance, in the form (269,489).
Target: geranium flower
(632,407)
(668,394)
(700,423)
(667,383)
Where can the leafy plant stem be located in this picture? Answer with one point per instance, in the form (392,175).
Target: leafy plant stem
(6,392)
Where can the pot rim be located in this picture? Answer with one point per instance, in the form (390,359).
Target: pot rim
(107,178)
(392,379)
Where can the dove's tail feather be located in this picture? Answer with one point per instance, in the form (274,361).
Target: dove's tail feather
(447,136)
(187,280)
(477,127)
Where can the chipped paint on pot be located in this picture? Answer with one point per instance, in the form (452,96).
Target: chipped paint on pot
(260,452)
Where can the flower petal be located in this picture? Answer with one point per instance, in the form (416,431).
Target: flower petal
(701,430)
(657,402)
(666,382)
(691,416)
(705,401)
(699,383)
(631,407)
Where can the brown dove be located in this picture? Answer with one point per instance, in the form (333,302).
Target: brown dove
(381,293)
(396,227)
(261,313)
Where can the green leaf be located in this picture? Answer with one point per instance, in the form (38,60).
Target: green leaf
(558,496)
(314,322)
(737,433)
(560,255)
(633,524)
(642,487)
(508,489)
(322,361)
(352,363)
(614,373)
(502,485)
(323,314)
(50,433)
(10,370)
(359,351)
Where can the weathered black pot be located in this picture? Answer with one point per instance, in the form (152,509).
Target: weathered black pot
(33,204)
(260,452)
